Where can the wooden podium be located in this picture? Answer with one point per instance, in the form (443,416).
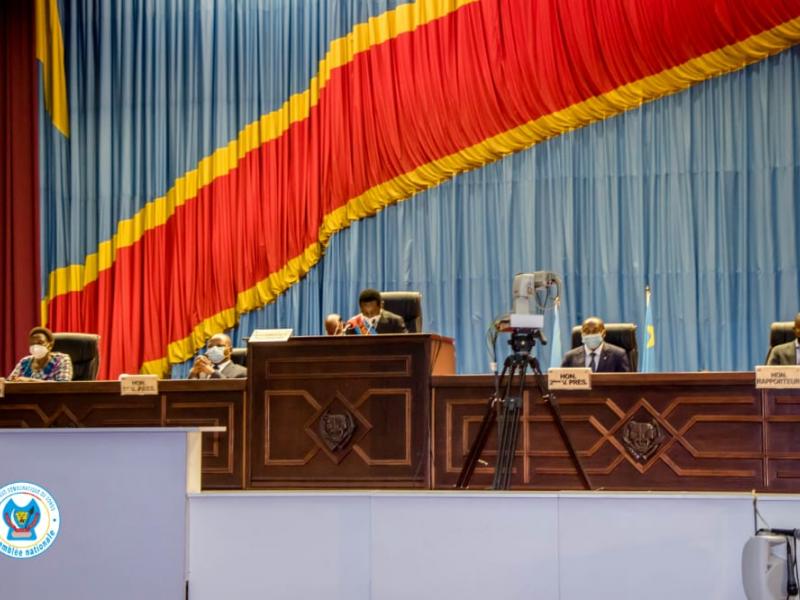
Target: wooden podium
(343,412)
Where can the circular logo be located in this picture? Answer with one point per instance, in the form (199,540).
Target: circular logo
(30,520)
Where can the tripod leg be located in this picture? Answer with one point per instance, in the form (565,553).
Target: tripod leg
(508,431)
(555,410)
(507,452)
(475,451)
(503,421)
(502,429)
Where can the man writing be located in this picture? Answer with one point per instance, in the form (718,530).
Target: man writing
(373,318)
(216,362)
(788,353)
(595,352)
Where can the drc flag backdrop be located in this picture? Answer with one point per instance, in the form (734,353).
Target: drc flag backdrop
(197,156)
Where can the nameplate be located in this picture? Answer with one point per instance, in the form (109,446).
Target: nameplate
(778,376)
(2,387)
(569,379)
(270,335)
(138,385)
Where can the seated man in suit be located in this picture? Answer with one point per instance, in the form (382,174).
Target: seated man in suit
(595,353)
(216,362)
(373,318)
(334,325)
(788,353)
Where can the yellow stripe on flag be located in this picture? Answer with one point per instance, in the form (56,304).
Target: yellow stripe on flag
(50,52)
(377,30)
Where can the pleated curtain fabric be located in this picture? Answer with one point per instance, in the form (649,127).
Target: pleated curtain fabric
(218,152)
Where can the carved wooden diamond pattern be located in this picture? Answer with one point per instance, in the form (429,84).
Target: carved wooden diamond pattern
(336,427)
(62,416)
(642,410)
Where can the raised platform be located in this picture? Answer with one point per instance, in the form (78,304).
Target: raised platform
(473,545)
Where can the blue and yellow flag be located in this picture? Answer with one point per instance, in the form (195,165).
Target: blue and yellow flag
(649,347)
(555,338)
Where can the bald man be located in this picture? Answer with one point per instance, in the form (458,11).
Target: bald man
(334,325)
(216,362)
(788,353)
(595,352)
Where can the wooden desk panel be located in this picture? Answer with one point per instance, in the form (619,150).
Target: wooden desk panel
(343,412)
(782,439)
(711,430)
(717,431)
(179,403)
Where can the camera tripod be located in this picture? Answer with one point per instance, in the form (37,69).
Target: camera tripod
(506,409)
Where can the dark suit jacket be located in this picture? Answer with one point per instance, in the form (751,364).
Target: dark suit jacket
(390,323)
(387,323)
(231,371)
(783,354)
(613,359)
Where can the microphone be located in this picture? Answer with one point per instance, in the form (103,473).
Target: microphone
(358,324)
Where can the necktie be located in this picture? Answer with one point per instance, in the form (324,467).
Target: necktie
(592,363)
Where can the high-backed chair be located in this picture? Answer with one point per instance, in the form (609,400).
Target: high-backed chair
(780,332)
(83,350)
(619,334)
(239,356)
(406,304)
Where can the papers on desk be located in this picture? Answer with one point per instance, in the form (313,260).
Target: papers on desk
(270,335)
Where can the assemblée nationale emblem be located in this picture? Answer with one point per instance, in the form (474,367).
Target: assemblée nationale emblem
(30,520)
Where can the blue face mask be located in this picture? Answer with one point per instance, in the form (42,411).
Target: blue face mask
(592,341)
(216,354)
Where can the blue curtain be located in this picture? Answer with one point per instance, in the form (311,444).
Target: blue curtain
(697,195)
(156,86)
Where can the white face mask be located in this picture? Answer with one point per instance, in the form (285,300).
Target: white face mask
(593,340)
(216,354)
(38,351)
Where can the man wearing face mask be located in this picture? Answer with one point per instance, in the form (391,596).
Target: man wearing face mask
(373,318)
(216,362)
(42,364)
(595,352)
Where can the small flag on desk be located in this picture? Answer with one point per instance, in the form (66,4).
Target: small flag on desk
(555,337)
(360,326)
(649,346)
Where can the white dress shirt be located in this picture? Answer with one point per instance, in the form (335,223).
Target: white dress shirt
(597,352)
